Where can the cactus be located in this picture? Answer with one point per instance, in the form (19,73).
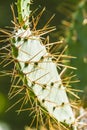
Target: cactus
(76,39)
(35,72)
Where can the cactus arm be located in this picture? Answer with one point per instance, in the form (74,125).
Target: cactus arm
(41,75)
(23,7)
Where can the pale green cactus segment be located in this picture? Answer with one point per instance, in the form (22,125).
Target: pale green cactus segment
(42,76)
(40,71)
(23,11)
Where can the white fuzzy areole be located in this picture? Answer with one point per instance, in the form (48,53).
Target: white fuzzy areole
(45,73)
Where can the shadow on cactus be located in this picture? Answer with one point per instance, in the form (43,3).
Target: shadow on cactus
(36,82)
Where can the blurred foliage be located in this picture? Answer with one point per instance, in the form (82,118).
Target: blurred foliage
(2,102)
(75,33)
(77,41)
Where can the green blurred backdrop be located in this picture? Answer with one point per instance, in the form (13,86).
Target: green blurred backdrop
(69,18)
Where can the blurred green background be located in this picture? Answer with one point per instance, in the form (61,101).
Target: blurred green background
(70,21)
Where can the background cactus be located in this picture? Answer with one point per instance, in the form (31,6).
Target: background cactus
(76,38)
